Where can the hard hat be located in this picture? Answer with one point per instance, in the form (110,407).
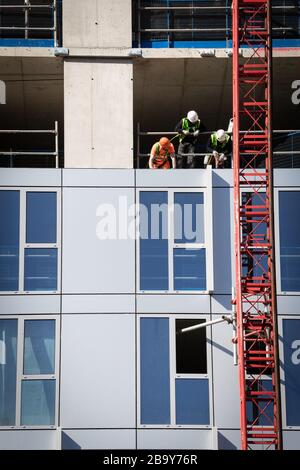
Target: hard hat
(164,141)
(192,116)
(221,135)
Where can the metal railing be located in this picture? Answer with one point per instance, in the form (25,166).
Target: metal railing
(156,22)
(32,153)
(27,8)
(287,138)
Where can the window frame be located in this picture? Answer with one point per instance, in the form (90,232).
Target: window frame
(277,192)
(207,245)
(172,368)
(20,376)
(22,238)
(285,426)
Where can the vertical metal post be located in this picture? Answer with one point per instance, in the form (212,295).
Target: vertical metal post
(55,22)
(11,158)
(139,23)
(169,25)
(138,145)
(56,145)
(227,24)
(26,17)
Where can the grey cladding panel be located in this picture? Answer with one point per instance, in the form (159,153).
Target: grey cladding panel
(225,378)
(98,177)
(174,439)
(222,178)
(291,440)
(229,439)
(98,371)
(288,177)
(98,303)
(91,265)
(173,303)
(29,440)
(221,304)
(30,177)
(29,304)
(76,439)
(288,304)
(168,179)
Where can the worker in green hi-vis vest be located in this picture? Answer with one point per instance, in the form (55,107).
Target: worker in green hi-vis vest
(188,129)
(219,145)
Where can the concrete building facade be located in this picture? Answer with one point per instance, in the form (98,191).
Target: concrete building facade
(90,310)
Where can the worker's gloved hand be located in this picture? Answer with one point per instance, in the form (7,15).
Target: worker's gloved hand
(206,159)
(222,157)
(196,133)
(185,132)
(215,154)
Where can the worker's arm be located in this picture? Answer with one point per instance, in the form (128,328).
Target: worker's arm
(178,127)
(179,130)
(151,161)
(173,158)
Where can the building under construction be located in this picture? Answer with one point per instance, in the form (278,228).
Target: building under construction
(144,309)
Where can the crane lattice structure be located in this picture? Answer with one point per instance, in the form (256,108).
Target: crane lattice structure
(257,337)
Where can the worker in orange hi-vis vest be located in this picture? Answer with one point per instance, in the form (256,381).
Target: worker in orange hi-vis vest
(162,154)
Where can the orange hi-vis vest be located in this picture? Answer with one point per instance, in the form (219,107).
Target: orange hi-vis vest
(161,156)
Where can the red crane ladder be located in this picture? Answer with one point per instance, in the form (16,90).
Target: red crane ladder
(254,248)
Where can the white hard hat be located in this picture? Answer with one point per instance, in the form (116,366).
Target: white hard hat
(192,116)
(221,135)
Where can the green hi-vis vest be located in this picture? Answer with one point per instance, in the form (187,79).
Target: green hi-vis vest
(215,142)
(157,150)
(186,127)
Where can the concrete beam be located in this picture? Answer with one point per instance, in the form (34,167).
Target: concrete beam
(185,53)
(27,52)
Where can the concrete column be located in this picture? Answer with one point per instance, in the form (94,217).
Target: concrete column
(98,113)
(97,23)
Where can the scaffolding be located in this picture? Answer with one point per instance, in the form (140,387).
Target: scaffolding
(255,300)
(287,141)
(171,23)
(31,153)
(31,20)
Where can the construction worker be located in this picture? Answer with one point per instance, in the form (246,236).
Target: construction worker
(162,154)
(188,129)
(219,145)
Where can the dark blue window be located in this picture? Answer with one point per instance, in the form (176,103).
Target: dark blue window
(192,401)
(289,226)
(9,240)
(40,269)
(154,273)
(291,343)
(189,218)
(8,371)
(189,269)
(40,217)
(155,371)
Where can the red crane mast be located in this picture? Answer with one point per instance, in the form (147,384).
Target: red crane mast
(255,300)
